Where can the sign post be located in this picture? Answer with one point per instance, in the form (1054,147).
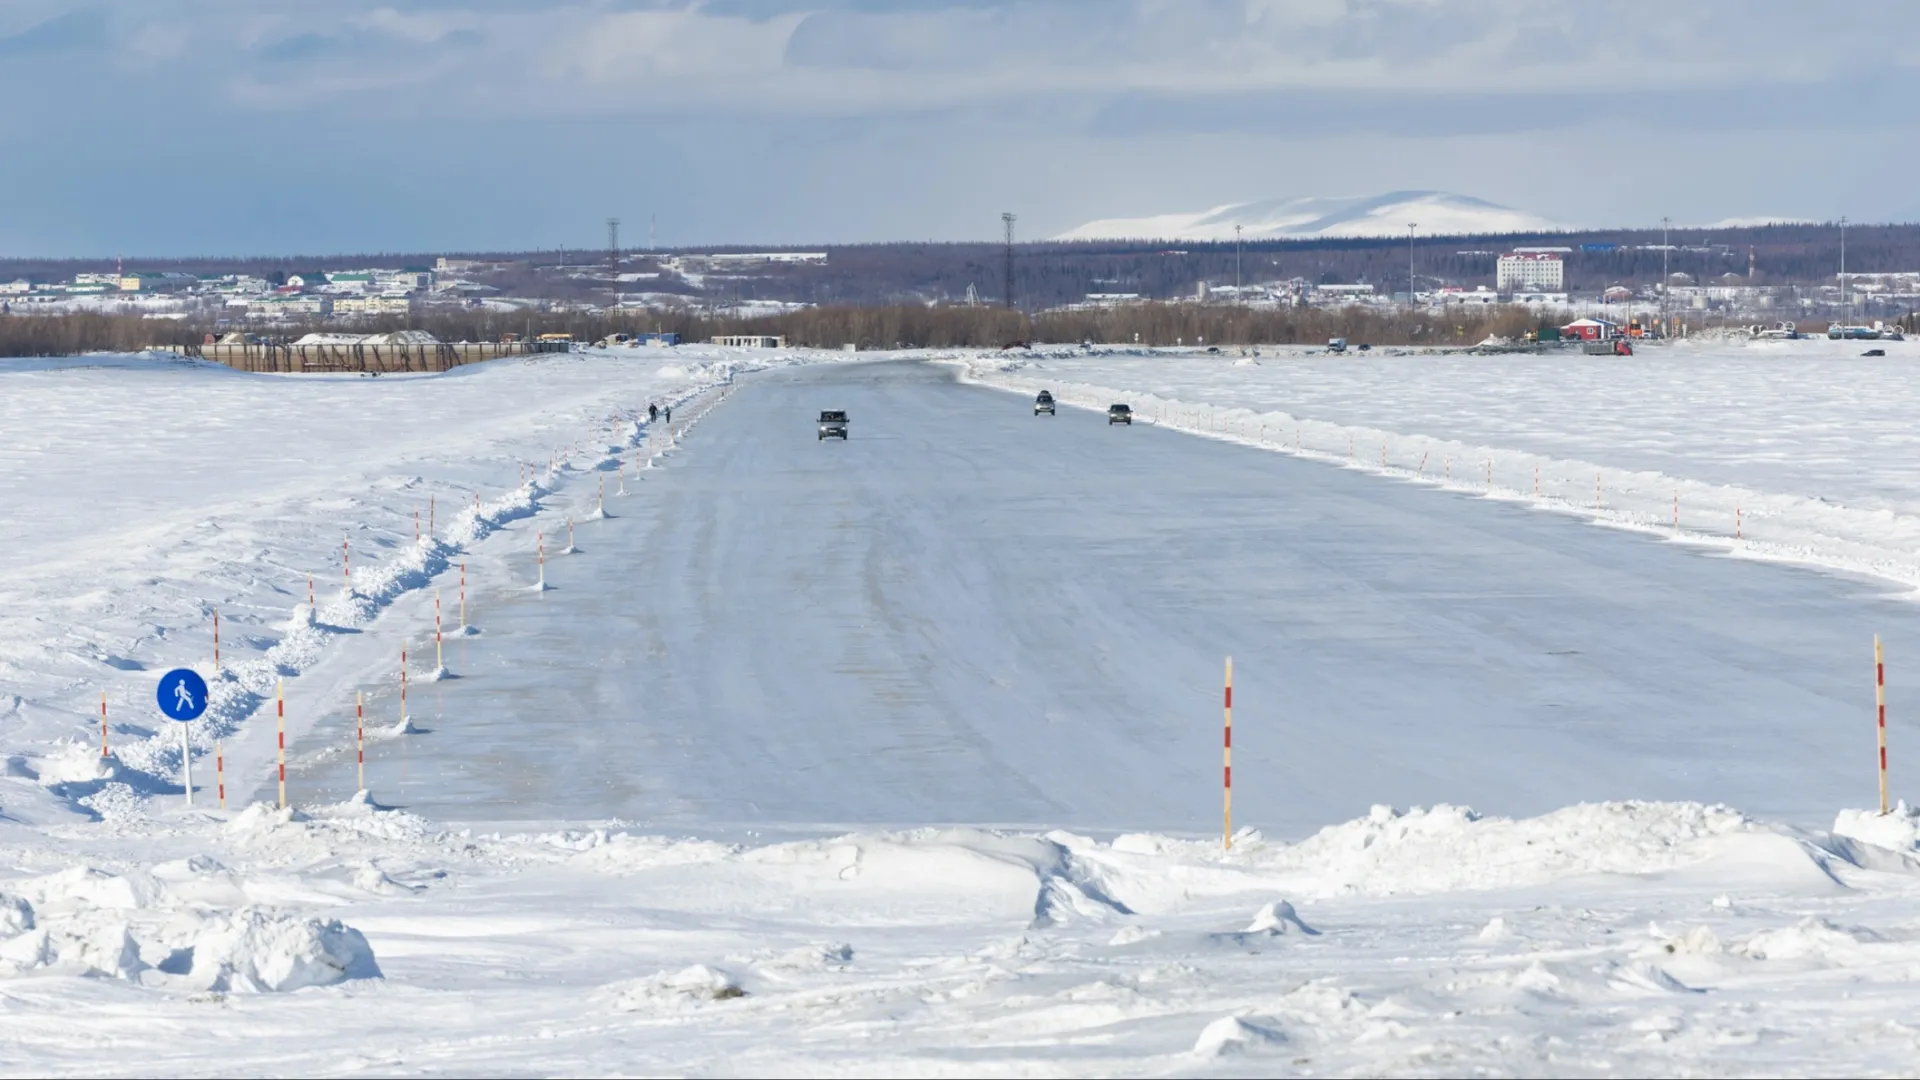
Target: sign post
(182,696)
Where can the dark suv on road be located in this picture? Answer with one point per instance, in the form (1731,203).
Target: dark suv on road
(1119,414)
(833,425)
(1043,403)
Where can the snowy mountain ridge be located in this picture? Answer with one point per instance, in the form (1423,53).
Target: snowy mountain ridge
(1435,213)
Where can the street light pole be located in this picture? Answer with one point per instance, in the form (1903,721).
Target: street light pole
(1236,263)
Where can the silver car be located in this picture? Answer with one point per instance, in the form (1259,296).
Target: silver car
(833,425)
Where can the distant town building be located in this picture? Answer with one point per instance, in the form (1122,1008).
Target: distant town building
(290,306)
(1529,271)
(1590,330)
(372,305)
(1453,294)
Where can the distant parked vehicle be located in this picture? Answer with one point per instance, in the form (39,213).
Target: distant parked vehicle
(1043,403)
(1874,352)
(833,425)
(1119,414)
(1338,344)
(1608,347)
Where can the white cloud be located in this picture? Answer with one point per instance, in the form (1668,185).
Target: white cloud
(885,115)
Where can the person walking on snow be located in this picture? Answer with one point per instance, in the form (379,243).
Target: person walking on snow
(653,412)
(669,414)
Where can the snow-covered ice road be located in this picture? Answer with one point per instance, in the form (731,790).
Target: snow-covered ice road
(970,614)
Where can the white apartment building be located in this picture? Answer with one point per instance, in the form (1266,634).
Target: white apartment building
(1529,271)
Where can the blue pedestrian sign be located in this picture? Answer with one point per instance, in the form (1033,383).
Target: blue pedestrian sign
(183,694)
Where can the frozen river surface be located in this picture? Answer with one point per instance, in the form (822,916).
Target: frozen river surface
(966,613)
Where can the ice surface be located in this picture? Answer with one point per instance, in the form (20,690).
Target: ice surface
(967,614)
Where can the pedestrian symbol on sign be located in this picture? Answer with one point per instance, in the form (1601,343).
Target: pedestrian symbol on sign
(182,694)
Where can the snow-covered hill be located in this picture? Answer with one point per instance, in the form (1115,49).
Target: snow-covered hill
(1434,212)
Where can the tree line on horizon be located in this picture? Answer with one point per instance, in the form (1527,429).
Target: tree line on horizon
(833,327)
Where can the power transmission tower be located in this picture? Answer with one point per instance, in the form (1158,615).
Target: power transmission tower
(613,256)
(1007,220)
(973,295)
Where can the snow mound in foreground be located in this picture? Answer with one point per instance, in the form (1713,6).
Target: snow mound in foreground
(1445,848)
(1450,848)
(261,951)
(688,986)
(1897,830)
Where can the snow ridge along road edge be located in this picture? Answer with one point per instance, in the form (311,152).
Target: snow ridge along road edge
(1741,522)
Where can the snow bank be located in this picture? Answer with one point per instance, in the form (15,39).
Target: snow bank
(1443,849)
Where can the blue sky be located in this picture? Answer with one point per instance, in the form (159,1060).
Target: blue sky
(268,126)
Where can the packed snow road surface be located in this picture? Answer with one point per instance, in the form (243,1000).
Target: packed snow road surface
(967,613)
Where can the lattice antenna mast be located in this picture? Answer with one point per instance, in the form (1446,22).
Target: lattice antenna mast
(1007,220)
(613,257)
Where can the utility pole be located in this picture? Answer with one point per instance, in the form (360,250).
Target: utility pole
(1410,228)
(1007,221)
(613,257)
(1236,262)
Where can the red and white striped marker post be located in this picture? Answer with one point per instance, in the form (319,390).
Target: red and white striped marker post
(439,653)
(432,511)
(1226,773)
(103,723)
(360,735)
(1596,491)
(403,683)
(463,598)
(569,535)
(622,467)
(541,540)
(603,494)
(1739,526)
(1489,474)
(310,605)
(220,773)
(1423,462)
(1676,511)
(216,642)
(1880,709)
(280,710)
(346,564)
(1536,481)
